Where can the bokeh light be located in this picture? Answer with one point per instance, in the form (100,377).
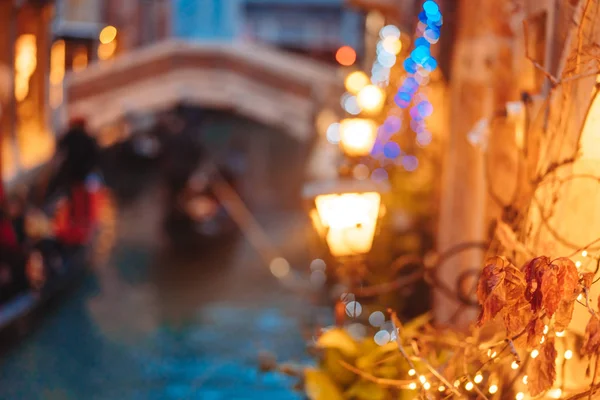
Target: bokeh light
(353,309)
(333,133)
(107,34)
(361,172)
(318,265)
(391,150)
(392,124)
(377,319)
(357,136)
(386,59)
(351,105)
(371,98)
(392,45)
(389,31)
(355,81)
(410,163)
(382,337)
(379,175)
(424,138)
(279,267)
(346,56)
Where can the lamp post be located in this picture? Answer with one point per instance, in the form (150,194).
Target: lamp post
(345,214)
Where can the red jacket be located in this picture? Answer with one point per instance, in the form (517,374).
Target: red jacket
(77,216)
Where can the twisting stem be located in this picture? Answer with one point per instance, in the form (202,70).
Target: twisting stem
(580,33)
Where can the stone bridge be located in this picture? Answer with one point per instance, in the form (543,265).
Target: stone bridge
(264,84)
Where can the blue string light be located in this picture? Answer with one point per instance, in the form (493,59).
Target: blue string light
(418,66)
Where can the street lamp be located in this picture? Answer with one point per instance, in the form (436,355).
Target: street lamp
(357,136)
(345,214)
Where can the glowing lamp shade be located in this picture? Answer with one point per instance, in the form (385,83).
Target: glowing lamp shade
(350,220)
(371,99)
(356,81)
(357,136)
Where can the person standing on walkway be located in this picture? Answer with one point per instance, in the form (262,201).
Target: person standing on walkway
(77,156)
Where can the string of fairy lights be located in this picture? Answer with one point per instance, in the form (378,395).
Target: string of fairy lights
(365,96)
(410,95)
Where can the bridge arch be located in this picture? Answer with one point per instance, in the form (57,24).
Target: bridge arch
(261,83)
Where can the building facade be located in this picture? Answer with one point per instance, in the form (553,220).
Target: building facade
(25,38)
(315,28)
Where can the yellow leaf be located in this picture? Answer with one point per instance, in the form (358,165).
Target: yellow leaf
(319,386)
(332,364)
(365,390)
(338,339)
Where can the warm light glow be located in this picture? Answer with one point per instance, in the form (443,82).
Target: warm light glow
(520,396)
(355,81)
(371,98)
(422,379)
(107,34)
(57,62)
(555,393)
(560,334)
(580,297)
(456,383)
(478,378)
(80,59)
(357,136)
(514,365)
(493,389)
(316,221)
(25,64)
(427,386)
(351,219)
(469,386)
(494,354)
(546,329)
(525,377)
(543,339)
(584,253)
(568,355)
(442,389)
(106,51)
(346,56)
(535,353)
(392,45)
(411,372)
(412,386)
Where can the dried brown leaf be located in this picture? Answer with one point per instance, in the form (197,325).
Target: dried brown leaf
(491,292)
(568,277)
(534,271)
(551,292)
(535,331)
(542,369)
(564,314)
(516,318)
(587,279)
(591,339)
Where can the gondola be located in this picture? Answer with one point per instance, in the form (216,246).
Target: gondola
(55,256)
(196,215)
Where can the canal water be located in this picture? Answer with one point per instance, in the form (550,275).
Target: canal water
(151,322)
